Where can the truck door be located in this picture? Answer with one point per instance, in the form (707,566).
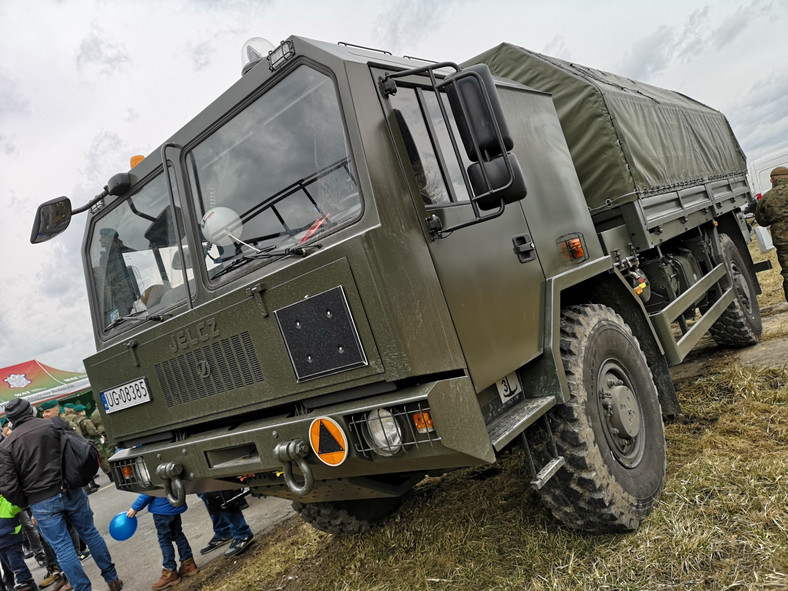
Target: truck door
(490,274)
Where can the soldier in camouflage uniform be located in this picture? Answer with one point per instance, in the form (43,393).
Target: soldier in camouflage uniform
(88,430)
(70,416)
(104,448)
(772,210)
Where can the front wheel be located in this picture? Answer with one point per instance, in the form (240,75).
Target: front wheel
(610,431)
(346,517)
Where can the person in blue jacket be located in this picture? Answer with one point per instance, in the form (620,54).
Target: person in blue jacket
(167,520)
(11,545)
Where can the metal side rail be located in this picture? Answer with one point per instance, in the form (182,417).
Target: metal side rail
(516,420)
(676,350)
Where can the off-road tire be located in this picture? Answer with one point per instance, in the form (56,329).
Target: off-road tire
(740,325)
(346,517)
(609,482)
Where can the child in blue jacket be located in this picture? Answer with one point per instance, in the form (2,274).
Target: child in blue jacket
(167,520)
(11,545)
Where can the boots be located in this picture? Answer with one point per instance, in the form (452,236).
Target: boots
(53,574)
(168,579)
(188,568)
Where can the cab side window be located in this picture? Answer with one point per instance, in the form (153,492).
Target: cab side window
(434,161)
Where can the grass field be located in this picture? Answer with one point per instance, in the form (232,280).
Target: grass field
(721,523)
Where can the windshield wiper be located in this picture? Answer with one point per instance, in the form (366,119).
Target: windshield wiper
(270,253)
(234,264)
(151,317)
(301,251)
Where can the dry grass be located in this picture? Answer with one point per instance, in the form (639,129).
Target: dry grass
(721,523)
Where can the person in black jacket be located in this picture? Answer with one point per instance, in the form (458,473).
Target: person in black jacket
(30,475)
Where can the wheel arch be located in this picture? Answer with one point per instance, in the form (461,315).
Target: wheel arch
(612,290)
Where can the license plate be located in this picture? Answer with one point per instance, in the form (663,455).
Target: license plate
(126,395)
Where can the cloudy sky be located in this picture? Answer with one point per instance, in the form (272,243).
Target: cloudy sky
(85,84)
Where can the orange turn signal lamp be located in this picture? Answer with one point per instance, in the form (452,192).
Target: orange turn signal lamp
(135,160)
(127,471)
(423,421)
(574,248)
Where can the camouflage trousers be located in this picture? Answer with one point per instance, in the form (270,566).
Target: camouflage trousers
(782,258)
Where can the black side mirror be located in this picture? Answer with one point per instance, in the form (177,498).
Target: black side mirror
(495,175)
(477,109)
(52,218)
(118,184)
(497,181)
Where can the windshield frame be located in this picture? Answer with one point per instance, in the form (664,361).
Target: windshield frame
(106,329)
(264,256)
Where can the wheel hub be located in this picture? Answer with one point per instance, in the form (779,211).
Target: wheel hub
(621,414)
(741,287)
(626,412)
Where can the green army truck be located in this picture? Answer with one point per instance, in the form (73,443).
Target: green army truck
(354,270)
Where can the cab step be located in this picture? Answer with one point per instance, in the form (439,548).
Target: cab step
(547,472)
(551,467)
(505,428)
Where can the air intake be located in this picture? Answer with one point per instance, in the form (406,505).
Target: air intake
(221,366)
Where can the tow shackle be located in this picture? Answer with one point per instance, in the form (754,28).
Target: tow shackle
(173,485)
(295,451)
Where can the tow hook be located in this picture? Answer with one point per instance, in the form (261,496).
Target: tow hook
(295,451)
(173,485)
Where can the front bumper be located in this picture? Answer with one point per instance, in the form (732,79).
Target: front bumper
(255,453)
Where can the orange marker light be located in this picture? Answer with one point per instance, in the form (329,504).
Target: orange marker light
(423,422)
(572,247)
(135,160)
(575,247)
(127,471)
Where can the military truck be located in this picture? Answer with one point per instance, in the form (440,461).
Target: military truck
(354,270)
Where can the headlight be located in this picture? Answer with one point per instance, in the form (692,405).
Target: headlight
(384,432)
(142,471)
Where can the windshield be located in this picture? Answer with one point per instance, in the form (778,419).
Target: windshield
(276,175)
(134,256)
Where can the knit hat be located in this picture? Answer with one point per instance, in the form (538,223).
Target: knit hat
(48,404)
(779,171)
(17,408)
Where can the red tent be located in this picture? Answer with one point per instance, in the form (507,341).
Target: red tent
(38,382)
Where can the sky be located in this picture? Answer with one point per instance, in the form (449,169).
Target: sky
(86,84)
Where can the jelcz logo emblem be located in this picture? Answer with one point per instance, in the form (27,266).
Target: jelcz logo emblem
(203,369)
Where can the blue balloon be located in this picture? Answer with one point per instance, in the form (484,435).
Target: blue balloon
(122,527)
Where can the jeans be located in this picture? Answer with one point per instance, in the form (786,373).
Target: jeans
(228,523)
(14,557)
(168,528)
(53,516)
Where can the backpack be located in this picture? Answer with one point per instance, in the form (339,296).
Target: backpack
(80,459)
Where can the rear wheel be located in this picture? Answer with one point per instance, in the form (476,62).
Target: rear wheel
(346,517)
(610,432)
(740,325)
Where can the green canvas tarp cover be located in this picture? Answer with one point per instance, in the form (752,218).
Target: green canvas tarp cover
(627,138)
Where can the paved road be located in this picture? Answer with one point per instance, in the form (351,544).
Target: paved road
(138,559)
